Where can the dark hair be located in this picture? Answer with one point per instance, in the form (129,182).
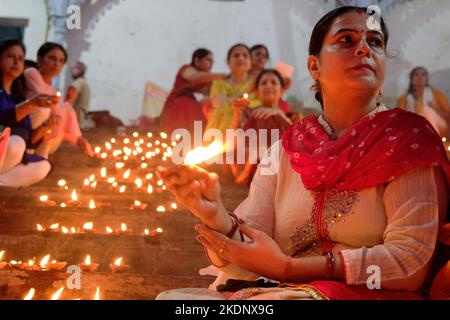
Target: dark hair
(31,64)
(320,31)
(18,85)
(411,75)
(199,54)
(49,46)
(260,46)
(237,45)
(269,71)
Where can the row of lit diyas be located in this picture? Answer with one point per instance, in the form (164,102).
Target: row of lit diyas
(88,227)
(56,296)
(46,264)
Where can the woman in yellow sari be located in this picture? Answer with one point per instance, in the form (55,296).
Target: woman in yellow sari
(225,91)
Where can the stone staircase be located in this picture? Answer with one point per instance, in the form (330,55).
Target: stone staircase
(157,262)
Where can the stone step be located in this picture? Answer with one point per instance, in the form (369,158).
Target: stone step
(15,284)
(155,255)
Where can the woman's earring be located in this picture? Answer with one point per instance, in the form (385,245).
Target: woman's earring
(379,98)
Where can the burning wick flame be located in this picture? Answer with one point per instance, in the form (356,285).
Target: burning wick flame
(1,254)
(245,96)
(65,230)
(97,294)
(58,294)
(62,183)
(88,226)
(161,209)
(159,230)
(39,227)
(127,173)
(138,183)
(103,172)
(43,198)
(202,154)
(123,227)
(109,230)
(146,232)
(92,204)
(118,262)
(87,261)
(44,262)
(30,294)
(74,195)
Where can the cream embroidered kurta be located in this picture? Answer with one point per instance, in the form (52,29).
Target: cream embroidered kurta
(393,227)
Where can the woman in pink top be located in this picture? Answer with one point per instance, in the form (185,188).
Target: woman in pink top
(51,60)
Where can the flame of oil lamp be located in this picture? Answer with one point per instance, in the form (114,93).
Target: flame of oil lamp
(138,183)
(87,261)
(141,141)
(163,135)
(164,188)
(108,146)
(120,165)
(202,154)
(74,198)
(134,153)
(157,142)
(149,145)
(139,150)
(178,137)
(146,232)
(65,230)
(104,155)
(97,149)
(444,139)
(114,184)
(62,183)
(113,140)
(149,134)
(92,177)
(160,183)
(149,176)
(118,262)
(111,179)
(174,206)
(30,294)
(144,165)
(118,266)
(109,230)
(174,144)
(148,155)
(117,153)
(86,182)
(150,188)
(63,205)
(88,226)
(92,204)
(161,209)
(58,293)
(103,172)
(123,227)
(94,184)
(159,230)
(125,158)
(73,230)
(54,227)
(122,189)
(97,294)
(157,151)
(43,198)
(135,134)
(44,262)
(1,254)
(2,264)
(39,227)
(126,141)
(136,144)
(164,145)
(142,158)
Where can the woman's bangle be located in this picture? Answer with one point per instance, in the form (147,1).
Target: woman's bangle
(287,266)
(235,225)
(330,265)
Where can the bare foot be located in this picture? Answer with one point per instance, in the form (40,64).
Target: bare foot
(86,147)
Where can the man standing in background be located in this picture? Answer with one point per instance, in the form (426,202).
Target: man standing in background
(81,104)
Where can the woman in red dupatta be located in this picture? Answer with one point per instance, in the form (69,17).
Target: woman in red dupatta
(359,171)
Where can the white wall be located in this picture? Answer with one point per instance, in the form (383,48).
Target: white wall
(35,12)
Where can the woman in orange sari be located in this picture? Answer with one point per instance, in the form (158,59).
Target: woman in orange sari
(182,109)
(347,206)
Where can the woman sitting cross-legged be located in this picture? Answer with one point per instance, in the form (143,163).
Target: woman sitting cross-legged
(346,206)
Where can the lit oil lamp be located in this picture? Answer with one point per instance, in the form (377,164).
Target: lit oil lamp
(120,165)
(73,230)
(174,206)
(86,184)
(149,134)
(64,230)
(74,199)
(63,205)
(97,294)
(88,227)
(56,265)
(88,266)
(2,264)
(92,178)
(40,228)
(97,150)
(118,266)
(126,141)
(30,294)
(161,209)
(43,264)
(62,184)
(138,182)
(44,199)
(113,140)
(135,134)
(122,189)
(92,205)
(103,172)
(104,155)
(137,205)
(109,230)
(123,229)
(127,174)
(58,293)
(54,227)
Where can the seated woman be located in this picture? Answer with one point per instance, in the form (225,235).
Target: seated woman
(347,205)
(51,60)
(182,108)
(225,91)
(17,168)
(268,115)
(260,56)
(425,100)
